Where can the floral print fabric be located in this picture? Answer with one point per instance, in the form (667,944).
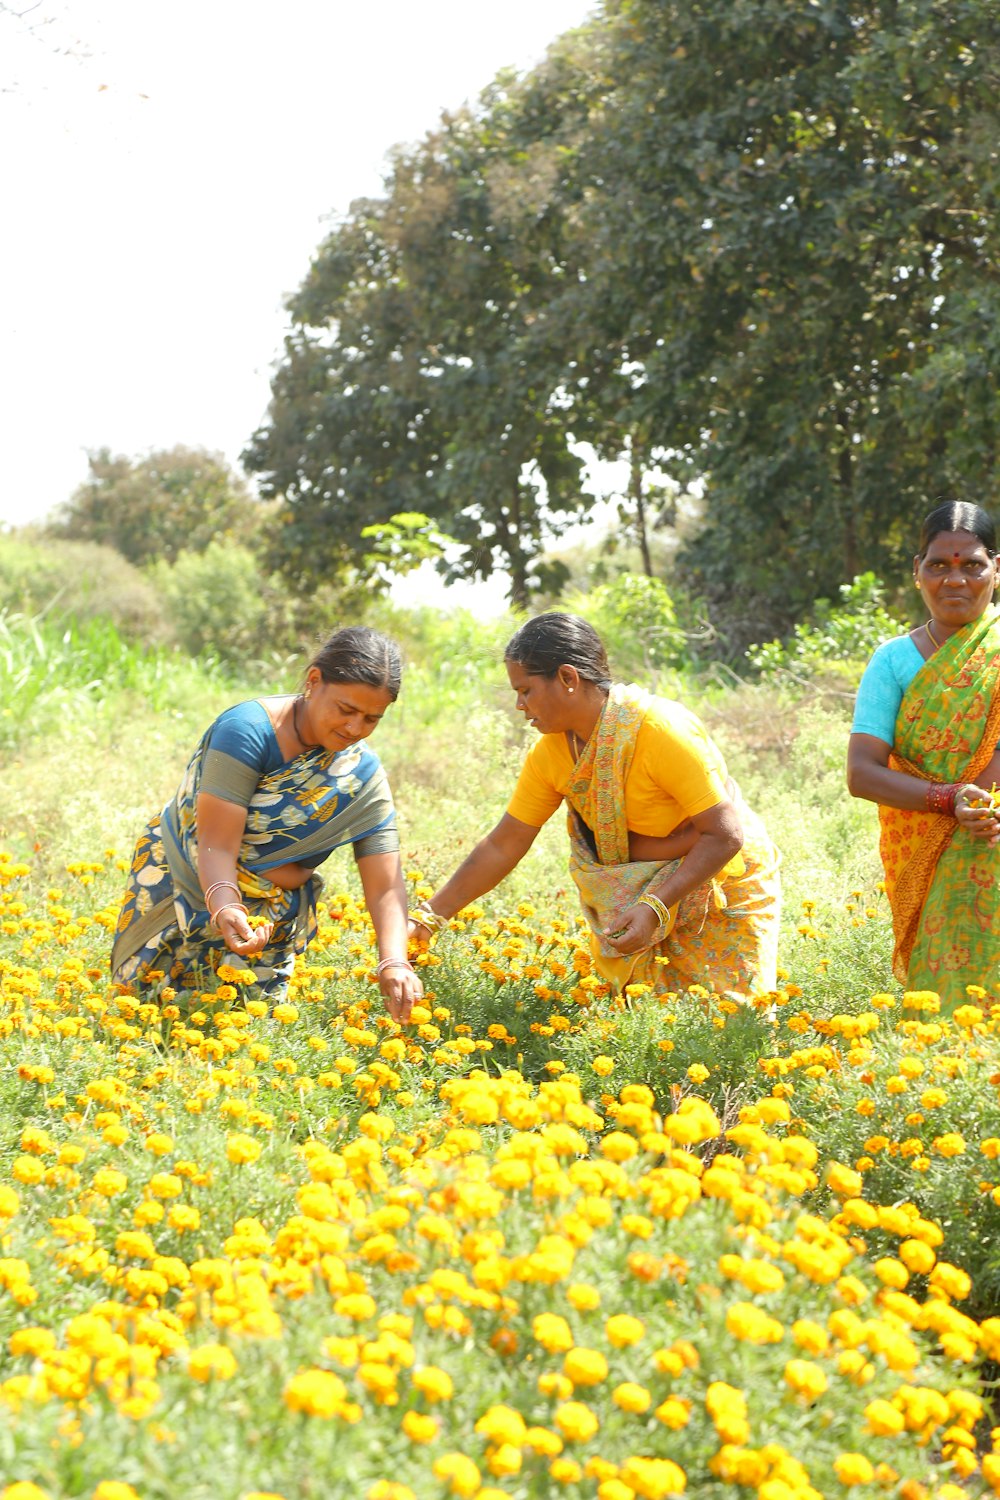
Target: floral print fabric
(942,883)
(724,935)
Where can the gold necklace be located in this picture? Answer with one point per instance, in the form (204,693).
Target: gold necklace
(934,640)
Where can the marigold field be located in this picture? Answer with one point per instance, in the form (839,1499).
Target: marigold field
(540,1243)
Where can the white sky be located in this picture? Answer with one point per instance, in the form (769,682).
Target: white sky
(166,173)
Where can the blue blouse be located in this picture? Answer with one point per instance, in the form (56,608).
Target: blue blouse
(880,692)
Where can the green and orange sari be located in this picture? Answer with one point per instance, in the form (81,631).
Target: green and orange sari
(723,935)
(943,884)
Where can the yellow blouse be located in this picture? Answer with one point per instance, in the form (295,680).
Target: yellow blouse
(676,772)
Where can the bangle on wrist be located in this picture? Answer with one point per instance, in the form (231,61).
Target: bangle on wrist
(228,906)
(219,885)
(656,906)
(392,963)
(424,915)
(941,796)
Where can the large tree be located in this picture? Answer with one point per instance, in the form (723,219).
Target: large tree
(789,209)
(419,376)
(176,500)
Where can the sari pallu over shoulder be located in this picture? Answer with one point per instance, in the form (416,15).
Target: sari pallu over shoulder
(611,882)
(947,730)
(299,813)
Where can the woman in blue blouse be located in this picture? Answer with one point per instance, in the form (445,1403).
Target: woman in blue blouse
(924,747)
(227,873)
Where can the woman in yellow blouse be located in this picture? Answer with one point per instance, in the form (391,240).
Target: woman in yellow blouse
(678,879)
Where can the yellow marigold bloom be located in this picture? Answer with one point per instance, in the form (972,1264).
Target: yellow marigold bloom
(211,1362)
(585,1366)
(556,1386)
(24,1490)
(576,1422)
(420,1428)
(36,1342)
(356,1305)
(184,1218)
(502,1424)
(618,1147)
(543,1442)
(602,1066)
(752,1325)
(843,1181)
(27,1170)
(853,1468)
(108,1182)
(805,1379)
(505,1458)
(698,1073)
(623,1331)
(553,1333)
(883,1419)
(810,1336)
(242,1149)
(388,1489)
(950,1280)
(631,1397)
(159,1144)
(653,1478)
(613,1488)
(434,1384)
(459,1473)
(315,1393)
(115,1489)
(917,1257)
(9,1202)
(674,1413)
(565,1471)
(583,1297)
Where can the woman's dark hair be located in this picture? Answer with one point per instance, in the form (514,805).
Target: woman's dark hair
(359,654)
(959,515)
(549,642)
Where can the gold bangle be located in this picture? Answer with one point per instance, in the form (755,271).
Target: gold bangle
(656,906)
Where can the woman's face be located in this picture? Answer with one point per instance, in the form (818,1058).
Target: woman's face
(338,714)
(956,577)
(544,701)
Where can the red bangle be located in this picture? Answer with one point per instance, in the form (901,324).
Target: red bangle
(940,797)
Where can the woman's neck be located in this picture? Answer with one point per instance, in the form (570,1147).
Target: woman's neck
(587,711)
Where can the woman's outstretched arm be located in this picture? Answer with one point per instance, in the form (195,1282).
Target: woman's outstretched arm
(492,858)
(385,897)
(220,826)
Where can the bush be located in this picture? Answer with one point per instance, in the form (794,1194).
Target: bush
(840,636)
(79,580)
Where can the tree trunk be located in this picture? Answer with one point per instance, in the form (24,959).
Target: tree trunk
(845,475)
(635,495)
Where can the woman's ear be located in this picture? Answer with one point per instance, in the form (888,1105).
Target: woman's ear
(569,677)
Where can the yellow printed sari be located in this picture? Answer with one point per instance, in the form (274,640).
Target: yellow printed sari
(942,883)
(723,935)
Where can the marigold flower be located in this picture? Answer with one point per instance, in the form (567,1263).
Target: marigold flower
(211,1362)
(315,1393)
(242,1149)
(631,1397)
(114,1489)
(585,1366)
(459,1473)
(576,1422)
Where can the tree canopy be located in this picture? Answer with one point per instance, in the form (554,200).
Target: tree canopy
(743,241)
(177,500)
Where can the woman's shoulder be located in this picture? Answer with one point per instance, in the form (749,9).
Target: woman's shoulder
(899,657)
(245,732)
(668,716)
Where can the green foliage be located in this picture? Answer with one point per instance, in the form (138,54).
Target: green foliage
(740,243)
(219,602)
(169,502)
(635,617)
(82,580)
(841,635)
